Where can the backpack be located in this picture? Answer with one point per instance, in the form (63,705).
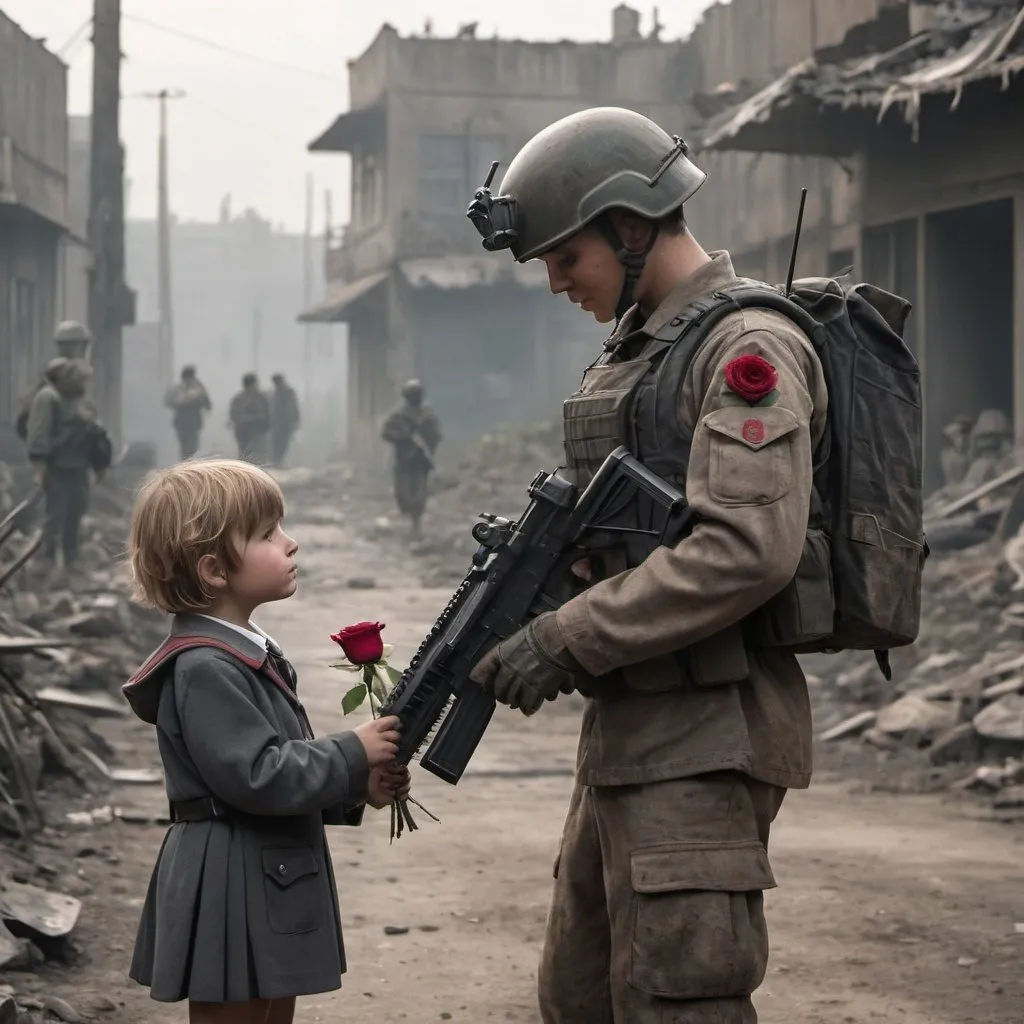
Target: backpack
(100,449)
(868,490)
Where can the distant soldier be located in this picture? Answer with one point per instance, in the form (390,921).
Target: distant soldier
(65,442)
(284,418)
(414,432)
(189,400)
(955,457)
(72,340)
(991,447)
(250,420)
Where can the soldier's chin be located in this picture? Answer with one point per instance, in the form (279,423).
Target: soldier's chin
(603,316)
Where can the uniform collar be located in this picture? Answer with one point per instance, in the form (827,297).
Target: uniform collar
(716,274)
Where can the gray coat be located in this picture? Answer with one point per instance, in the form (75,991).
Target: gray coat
(243,906)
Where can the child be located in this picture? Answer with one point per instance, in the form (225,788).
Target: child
(242,914)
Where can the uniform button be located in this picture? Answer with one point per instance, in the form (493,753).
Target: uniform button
(281,869)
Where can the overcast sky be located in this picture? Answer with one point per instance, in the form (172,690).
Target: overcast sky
(244,125)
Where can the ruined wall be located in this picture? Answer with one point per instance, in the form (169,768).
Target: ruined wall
(33,124)
(498,94)
(749,203)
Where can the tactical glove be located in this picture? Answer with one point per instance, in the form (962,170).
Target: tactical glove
(530,667)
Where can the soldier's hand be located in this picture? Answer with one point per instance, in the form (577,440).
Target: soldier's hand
(530,667)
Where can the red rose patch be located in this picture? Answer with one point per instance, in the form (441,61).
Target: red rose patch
(751,377)
(753,431)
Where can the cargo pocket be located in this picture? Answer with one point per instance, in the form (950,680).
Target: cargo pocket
(751,462)
(698,927)
(294,899)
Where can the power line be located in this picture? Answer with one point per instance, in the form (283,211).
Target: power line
(75,37)
(222,48)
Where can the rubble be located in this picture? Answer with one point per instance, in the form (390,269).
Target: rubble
(68,640)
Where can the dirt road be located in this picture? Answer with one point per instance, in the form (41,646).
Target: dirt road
(888,909)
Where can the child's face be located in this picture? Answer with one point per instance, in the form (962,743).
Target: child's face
(268,570)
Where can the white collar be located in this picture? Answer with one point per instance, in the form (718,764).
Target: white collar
(254,633)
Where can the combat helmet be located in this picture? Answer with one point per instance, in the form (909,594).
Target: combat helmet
(572,173)
(72,339)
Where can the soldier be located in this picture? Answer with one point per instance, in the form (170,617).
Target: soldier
(414,432)
(250,419)
(991,448)
(65,442)
(72,341)
(284,418)
(189,400)
(691,734)
(955,456)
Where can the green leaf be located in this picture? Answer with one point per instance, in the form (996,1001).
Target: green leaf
(345,666)
(394,675)
(353,699)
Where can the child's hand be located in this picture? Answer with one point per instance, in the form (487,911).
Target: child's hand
(379,738)
(387,783)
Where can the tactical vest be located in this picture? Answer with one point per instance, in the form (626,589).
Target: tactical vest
(635,402)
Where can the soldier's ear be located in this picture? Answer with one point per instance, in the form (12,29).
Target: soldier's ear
(212,572)
(634,231)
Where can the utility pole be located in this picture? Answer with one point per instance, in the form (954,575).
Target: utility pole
(165,300)
(110,300)
(307,287)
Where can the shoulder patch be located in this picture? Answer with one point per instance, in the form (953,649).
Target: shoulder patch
(736,423)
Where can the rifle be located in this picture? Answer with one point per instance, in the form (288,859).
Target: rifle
(520,570)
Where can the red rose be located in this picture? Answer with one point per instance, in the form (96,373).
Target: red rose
(361,643)
(751,377)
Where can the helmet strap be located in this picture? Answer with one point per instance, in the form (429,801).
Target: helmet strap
(634,262)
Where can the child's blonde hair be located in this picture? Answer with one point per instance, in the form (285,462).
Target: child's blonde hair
(196,508)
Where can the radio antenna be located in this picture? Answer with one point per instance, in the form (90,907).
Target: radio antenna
(796,240)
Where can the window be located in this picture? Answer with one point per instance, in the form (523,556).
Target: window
(452,167)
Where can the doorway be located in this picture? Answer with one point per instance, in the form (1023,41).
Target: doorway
(968,321)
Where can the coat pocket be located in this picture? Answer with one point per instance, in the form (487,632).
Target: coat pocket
(751,457)
(291,885)
(698,927)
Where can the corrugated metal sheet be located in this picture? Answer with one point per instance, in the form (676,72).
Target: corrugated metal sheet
(968,42)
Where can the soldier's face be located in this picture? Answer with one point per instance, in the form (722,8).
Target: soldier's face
(585,268)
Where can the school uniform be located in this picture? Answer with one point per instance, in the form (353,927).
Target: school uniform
(242,903)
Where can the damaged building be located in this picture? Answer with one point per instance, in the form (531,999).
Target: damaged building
(927,126)
(33,214)
(408,275)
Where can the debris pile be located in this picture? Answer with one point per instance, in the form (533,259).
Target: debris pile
(68,640)
(957,695)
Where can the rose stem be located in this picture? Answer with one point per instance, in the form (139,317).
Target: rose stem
(413,800)
(403,806)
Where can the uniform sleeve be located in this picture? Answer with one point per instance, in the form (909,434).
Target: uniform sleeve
(39,430)
(395,429)
(749,482)
(236,751)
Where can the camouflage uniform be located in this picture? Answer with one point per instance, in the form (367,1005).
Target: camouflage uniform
(60,423)
(250,418)
(414,431)
(691,733)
